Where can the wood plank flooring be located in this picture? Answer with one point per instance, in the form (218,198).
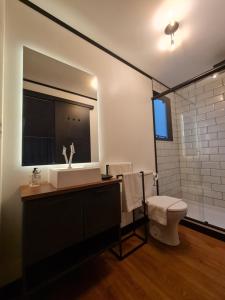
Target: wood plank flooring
(195,270)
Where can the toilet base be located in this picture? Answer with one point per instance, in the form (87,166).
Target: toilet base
(165,234)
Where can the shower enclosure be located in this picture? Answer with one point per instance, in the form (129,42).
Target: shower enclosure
(191,166)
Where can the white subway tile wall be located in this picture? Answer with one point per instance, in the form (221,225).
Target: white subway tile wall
(200,114)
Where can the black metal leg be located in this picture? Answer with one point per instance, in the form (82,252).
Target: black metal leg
(120,244)
(120,255)
(133,213)
(145,224)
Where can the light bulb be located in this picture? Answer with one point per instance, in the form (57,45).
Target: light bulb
(172,39)
(94,83)
(172,47)
(172,23)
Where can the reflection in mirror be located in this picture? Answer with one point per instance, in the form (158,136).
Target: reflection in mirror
(59,108)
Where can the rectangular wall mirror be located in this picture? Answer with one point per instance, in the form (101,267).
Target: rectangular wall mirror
(59,108)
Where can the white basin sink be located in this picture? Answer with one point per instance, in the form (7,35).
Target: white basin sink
(61,177)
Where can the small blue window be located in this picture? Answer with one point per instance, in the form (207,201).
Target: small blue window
(162,118)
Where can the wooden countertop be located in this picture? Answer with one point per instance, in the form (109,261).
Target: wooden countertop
(46,189)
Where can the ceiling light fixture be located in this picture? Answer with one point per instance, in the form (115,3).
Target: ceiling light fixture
(170,29)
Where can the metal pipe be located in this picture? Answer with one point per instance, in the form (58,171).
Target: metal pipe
(189,81)
(155,148)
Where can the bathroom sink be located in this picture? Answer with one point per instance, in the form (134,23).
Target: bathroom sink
(62,177)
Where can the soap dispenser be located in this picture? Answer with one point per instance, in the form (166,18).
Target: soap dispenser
(35,178)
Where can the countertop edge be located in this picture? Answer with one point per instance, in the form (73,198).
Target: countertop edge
(46,189)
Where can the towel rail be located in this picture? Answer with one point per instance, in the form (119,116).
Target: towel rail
(144,238)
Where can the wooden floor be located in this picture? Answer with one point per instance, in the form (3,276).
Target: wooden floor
(195,270)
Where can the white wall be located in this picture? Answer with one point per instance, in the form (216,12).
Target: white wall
(125,113)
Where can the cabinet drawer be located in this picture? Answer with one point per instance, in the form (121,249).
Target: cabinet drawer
(51,224)
(102,209)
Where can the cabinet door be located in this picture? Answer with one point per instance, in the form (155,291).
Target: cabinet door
(52,224)
(102,209)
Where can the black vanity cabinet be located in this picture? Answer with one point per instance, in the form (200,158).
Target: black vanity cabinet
(65,227)
(52,224)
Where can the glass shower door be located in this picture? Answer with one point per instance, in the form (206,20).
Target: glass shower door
(190,156)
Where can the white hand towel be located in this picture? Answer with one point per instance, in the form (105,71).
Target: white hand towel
(158,206)
(120,168)
(148,176)
(132,191)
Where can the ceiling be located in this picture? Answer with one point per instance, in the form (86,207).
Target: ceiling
(133,29)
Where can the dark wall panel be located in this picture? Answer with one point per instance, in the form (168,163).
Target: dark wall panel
(72,125)
(48,124)
(38,131)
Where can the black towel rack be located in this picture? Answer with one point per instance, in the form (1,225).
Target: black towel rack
(119,254)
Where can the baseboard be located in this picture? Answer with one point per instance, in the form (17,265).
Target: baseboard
(212,231)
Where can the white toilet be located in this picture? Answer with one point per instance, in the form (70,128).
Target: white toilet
(168,234)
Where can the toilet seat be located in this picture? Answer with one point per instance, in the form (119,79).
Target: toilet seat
(179,206)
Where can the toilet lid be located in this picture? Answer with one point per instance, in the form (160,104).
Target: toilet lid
(181,205)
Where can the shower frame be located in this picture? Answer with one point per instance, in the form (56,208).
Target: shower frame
(217,68)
